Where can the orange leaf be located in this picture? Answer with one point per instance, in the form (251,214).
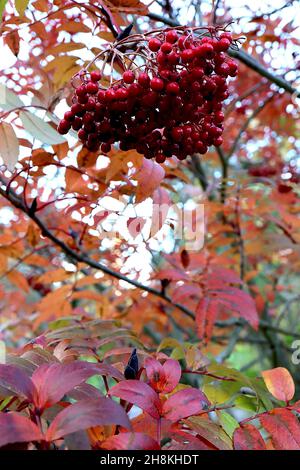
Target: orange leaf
(280,383)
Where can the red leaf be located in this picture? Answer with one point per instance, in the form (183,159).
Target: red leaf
(86,414)
(284,429)
(15,381)
(54,380)
(130,441)
(280,383)
(138,393)
(240,302)
(247,437)
(17,428)
(206,314)
(163,378)
(184,403)
(172,372)
(172,275)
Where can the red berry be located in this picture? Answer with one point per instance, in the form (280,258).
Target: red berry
(197,73)
(171,36)
(77,124)
(223,69)
(200,147)
(81,90)
(173,88)
(134,89)
(157,84)
(144,80)
(91,104)
(160,158)
(222,45)
(101,95)
(154,44)
(83,99)
(219,116)
(92,88)
(226,35)
(218,141)
(166,48)
(205,50)
(187,55)
(177,134)
(232,68)
(82,135)
(69,116)
(105,148)
(64,126)
(95,76)
(77,109)
(121,94)
(110,95)
(128,77)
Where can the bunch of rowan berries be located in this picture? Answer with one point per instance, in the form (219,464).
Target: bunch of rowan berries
(168,102)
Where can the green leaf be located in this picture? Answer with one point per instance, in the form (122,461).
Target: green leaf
(2,6)
(8,99)
(21,6)
(40,129)
(228,422)
(9,145)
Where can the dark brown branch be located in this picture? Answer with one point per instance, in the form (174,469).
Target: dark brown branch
(83,258)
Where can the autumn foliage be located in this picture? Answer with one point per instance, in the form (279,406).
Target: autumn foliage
(149,214)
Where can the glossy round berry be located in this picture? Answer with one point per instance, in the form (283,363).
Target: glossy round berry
(95,76)
(222,45)
(166,48)
(187,55)
(92,88)
(173,88)
(171,36)
(82,135)
(128,77)
(157,84)
(69,116)
(160,158)
(105,148)
(154,44)
(77,124)
(64,126)
(144,80)
(77,109)
(81,90)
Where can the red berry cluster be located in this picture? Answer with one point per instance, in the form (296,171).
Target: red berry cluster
(169,106)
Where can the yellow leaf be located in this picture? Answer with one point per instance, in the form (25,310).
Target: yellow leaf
(21,6)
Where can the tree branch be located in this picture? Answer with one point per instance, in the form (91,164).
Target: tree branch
(83,258)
